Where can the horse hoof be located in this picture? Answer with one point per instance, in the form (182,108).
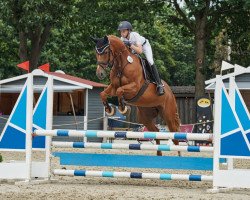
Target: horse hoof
(123,111)
(112,112)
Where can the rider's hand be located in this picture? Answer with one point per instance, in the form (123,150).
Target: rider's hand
(127,42)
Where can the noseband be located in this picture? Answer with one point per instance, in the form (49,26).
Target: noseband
(109,63)
(101,51)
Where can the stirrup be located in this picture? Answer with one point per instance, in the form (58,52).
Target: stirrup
(160,90)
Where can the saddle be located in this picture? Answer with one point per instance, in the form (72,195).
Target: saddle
(146,68)
(148,75)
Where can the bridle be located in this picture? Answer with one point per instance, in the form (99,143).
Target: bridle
(109,63)
(101,51)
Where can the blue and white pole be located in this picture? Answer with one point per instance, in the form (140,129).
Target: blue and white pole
(135,175)
(125,134)
(161,147)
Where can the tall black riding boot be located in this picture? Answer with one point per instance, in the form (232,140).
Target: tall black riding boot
(160,86)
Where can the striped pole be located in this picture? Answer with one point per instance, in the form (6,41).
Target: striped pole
(161,147)
(126,134)
(135,175)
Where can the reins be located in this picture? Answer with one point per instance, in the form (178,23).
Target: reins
(109,64)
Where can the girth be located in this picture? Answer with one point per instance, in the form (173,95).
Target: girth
(139,94)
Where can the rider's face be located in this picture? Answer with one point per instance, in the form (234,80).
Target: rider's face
(124,33)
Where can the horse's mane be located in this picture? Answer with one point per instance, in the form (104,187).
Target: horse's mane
(116,41)
(113,37)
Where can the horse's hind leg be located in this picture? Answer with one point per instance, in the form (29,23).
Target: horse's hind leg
(146,116)
(171,117)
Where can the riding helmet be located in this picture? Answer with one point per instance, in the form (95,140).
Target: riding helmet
(125,25)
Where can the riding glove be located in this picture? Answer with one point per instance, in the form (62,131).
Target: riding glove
(127,42)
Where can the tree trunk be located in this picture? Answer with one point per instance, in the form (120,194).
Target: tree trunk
(35,49)
(200,42)
(23,46)
(38,40)
(37,35)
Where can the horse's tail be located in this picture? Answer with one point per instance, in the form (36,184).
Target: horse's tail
(177,121)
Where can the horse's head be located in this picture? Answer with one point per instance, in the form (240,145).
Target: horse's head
(106,53)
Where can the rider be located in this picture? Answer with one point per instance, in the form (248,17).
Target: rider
(140,45)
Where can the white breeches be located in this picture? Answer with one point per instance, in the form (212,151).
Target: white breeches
(147,50)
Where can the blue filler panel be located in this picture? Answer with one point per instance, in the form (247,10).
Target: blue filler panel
(136,161)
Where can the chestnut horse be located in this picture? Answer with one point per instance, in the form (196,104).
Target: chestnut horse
(129,85)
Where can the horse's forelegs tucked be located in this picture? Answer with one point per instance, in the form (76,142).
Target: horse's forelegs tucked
(109,91)
(120,92)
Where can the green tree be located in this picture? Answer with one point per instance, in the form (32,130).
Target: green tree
(201,18)
(66,44)
(8,51)
(179,48)
(221,51)
(237,27)
(33,21)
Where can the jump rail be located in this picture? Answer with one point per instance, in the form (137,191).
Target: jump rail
(132,146)
(125,134)
(136,175)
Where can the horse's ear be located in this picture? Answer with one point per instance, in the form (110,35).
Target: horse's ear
(106,39)
(95,40)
